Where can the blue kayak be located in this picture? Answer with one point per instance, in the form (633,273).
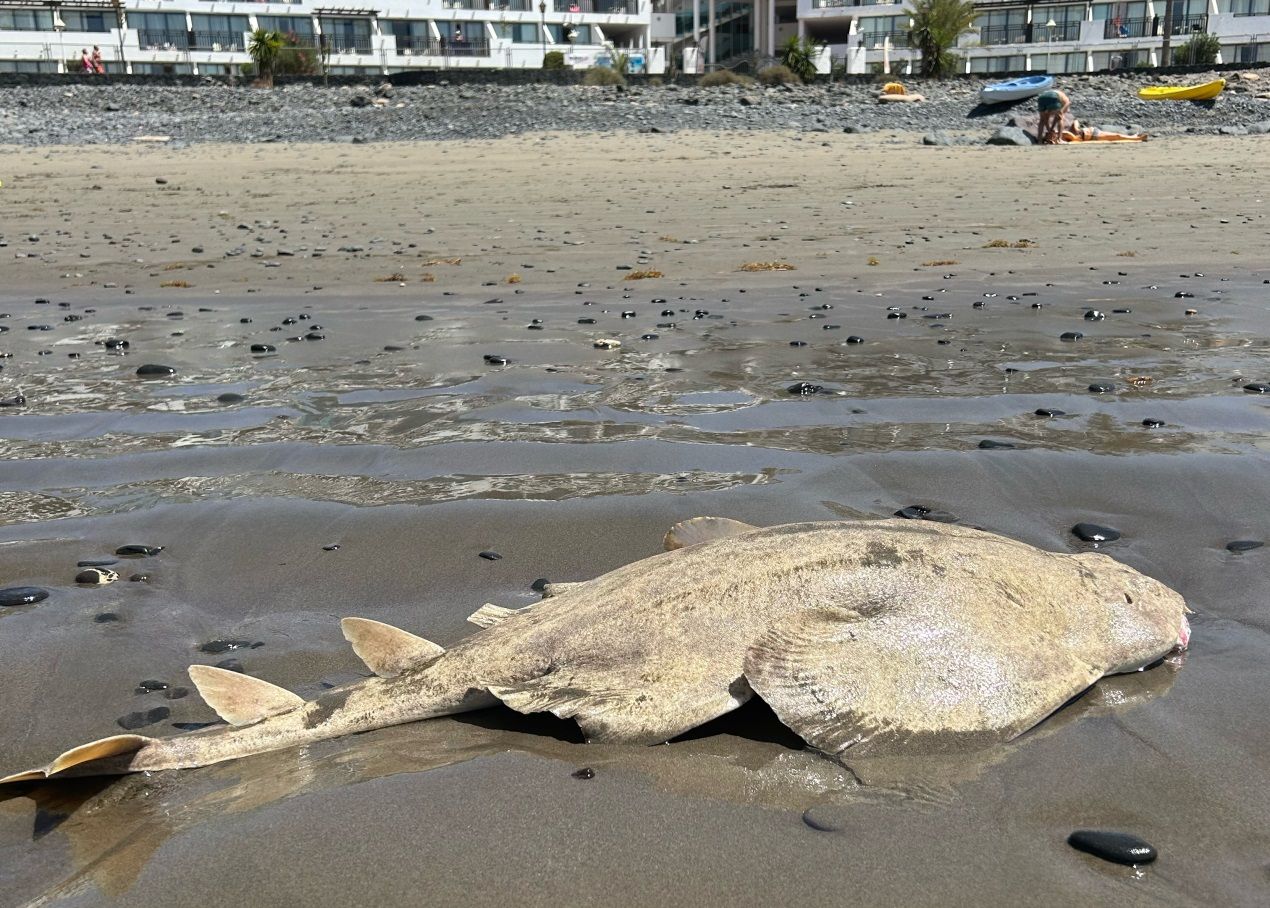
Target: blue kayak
(1015,89)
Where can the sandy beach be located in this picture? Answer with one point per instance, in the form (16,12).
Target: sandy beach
(361,466)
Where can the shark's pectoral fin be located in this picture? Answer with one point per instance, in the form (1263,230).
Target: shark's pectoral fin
(387,650)
(703,529)
(868,687)
(241,699)
(114,746)
(489,614)
(611,712)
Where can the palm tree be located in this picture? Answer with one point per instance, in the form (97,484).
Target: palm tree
(265,49)
(937,24)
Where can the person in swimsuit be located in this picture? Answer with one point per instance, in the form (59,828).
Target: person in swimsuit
(1053,106)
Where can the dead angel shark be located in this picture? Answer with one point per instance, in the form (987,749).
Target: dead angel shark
(865,638)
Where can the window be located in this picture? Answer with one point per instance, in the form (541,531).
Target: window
(347,36)
(300,26)
(162,69)
(875,29)
(1060,63)
(219,32)
(1005,26)
(1008,64)
(519,32)
(1109,11)
(581,34)
(87,21)
(160,31)
(1250,8)
(26,20)
(1253,53)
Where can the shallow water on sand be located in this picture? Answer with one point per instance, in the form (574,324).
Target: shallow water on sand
(570,461)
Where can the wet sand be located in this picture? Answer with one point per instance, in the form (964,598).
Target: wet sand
(570,461)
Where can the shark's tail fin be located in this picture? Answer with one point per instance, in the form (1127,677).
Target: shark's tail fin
(78,758)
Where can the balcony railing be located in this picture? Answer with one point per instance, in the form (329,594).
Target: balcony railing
(1188,25)
(1129,28)
(1064,31)
(1004,34)
(222,41)
(875,39)
(348,44)
(152,39)
(606,7)
(835,4)
(468,47)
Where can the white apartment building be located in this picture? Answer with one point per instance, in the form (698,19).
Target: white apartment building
(209,37)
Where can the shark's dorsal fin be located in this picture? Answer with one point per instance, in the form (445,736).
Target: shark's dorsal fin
(489,614)
(703,529)
(387,650)
(241,699)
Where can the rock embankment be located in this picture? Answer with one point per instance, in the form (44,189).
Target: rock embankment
(114,113)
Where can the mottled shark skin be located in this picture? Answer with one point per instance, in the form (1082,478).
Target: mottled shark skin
(865,637)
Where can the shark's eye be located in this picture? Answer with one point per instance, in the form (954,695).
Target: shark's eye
(1128,598)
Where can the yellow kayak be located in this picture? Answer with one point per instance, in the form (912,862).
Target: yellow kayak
(1205,92)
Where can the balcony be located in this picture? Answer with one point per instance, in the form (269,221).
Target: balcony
(1064,31)
(153,39)
(991,35)
(876,39)
(217,41)
(1190,25)
(605,7)
(838,4)
(467,47)
(348,44)
(1129,28)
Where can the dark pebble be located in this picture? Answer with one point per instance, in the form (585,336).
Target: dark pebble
(1244,545)
(494,360)
(649,337)
(1070,336)
(1119,847)
(314,336)
(263,348)
(539,585)
(22,595)
(585,772)
(921,512)
(333,547)
(490,556)
(230,665)
(1092,532)
(150,685)
(423,318)
(105,618)
(142,719)
(176,693)
(143,551)
(1093,315)
(1050,412)
(229,397)
(989,445)
(1152,423)
(216,647)
(804,388)
(1102,387)
(97,562)
(150,369)
(139,578)
(855,339)
(798,343)
(1258,387)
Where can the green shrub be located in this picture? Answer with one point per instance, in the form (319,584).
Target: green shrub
(936,27)
(724,77)
(553,60)
(778,75)
(603,75)
(1201,50)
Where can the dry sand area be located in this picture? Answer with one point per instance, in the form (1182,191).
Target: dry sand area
(433,392)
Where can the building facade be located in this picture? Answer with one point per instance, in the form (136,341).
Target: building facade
(206,37)
(210,37)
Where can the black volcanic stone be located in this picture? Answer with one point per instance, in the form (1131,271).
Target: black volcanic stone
(1152,423)
(1244,545)
(229,397)
(921,512)
(1070,336)
(142,719)
(1257,387)
(539,585)
(263,348)
(585,773)
(804,388)
(153,370)
(1102,387)
(139,551)
(855,339)
(1093,315)
(22,595)
(216,647)
(1050,412)
(1092,532)
(490,556)
(989,445)
(1118,847)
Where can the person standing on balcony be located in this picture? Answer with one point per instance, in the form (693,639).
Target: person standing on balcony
(85,61)
(98,66)
(1053,106)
